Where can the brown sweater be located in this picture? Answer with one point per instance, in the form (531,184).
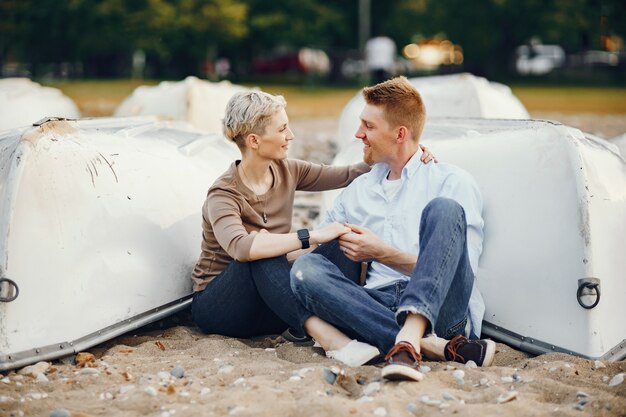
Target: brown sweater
(231,210)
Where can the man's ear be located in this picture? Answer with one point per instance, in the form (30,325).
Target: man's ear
(252,141)
(402,134)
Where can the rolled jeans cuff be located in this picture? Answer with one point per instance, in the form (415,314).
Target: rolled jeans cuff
(403,311)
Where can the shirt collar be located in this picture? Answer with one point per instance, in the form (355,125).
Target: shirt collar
(380,170)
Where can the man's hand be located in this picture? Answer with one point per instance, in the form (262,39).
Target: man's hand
(362,245)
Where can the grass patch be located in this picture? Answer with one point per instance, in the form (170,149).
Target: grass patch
(603,100)
(101,97)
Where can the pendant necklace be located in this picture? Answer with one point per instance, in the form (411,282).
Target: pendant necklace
(256,195)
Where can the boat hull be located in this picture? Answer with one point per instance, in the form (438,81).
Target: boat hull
(100,225)
(555,213)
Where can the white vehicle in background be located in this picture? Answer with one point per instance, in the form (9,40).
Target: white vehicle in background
(538,59)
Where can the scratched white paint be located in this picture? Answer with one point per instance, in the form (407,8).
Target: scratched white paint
(100,220)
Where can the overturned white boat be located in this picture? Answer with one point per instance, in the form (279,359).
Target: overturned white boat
(99,229)
(199,102)
(620,142)
(553,270)
(23,102)
(456,95)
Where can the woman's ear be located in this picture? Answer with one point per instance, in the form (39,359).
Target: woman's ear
(252,141)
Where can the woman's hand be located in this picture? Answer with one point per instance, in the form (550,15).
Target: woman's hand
(426,155)
(328,233)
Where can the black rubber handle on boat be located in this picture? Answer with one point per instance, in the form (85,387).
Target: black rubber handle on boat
(591,286)
(14,285)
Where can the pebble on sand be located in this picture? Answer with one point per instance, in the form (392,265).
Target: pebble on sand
(380,412)
(506,397)
(59,412)
(330,376)
(616,380)
(36,369)
(177,372)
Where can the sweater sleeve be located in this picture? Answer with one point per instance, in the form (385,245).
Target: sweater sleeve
(224,214)
(319,177)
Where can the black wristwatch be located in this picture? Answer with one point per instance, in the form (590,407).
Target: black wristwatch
(303,235)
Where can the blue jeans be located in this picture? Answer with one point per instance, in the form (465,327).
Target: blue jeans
(439,287)
(255,298)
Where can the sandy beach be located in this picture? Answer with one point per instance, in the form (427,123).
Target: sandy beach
(171,369)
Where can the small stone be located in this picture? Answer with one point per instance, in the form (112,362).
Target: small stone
(364,399)
(507,379)
(236,410)
(225,369)
(239,381)
(428,401)
(598,365)
(582,394)
(424,369)
(59,412)
(371,389)
(443,406)
(449,368)
(106,396)
(165,376)
(330,376)
(302,372)
(34,370)
(83,359)
(517,377)
(6,380)
(506,397)
(177,372)
(580,405)
(150,391)
(605,378)
(205,391)
(448,397)
(617,380)
(411,408)
(126,388)
(552,369)
(380,412)
(295,378)
(483,381)
(470,365)
(458,376)
(89,371)
(42,378)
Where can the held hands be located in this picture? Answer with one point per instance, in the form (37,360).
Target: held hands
(328,233)
(362,245)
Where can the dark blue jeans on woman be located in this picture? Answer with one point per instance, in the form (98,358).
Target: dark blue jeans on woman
(439,287)
(255,298)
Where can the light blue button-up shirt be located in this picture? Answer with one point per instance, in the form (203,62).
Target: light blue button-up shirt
(397,221)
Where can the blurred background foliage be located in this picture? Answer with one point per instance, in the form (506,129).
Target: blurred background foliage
(100,38)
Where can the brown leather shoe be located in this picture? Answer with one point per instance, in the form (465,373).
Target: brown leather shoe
(403,363)
(462,350)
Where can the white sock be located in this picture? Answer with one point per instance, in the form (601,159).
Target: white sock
(355,353)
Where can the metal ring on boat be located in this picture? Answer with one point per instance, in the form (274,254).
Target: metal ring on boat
(592,284)
(16,292)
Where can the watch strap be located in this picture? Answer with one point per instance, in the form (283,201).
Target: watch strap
(303,235)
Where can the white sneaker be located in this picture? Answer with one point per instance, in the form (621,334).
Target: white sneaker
(355,353)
